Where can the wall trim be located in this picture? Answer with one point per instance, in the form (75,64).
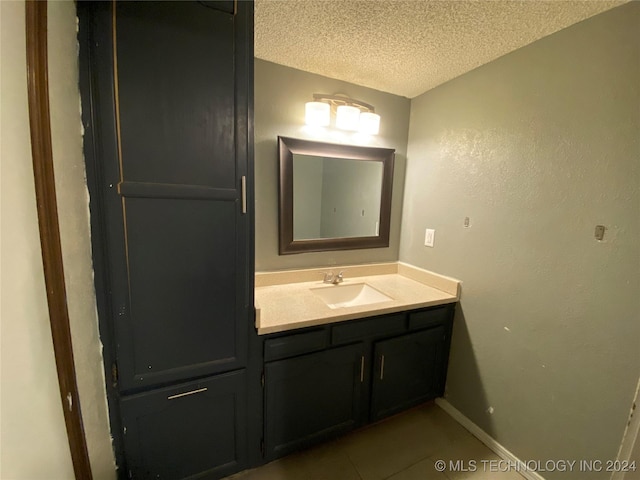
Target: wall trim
(44,180)
(485,438)
(630,436)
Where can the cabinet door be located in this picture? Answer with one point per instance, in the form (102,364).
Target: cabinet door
(169,126)
(192,429)
(408,370)
(311,398)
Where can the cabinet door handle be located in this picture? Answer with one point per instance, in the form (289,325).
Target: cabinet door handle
(199,390)
(382,368)
(243,183)
(362,369)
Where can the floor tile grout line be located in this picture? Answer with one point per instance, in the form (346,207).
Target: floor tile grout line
(355,467)
(421,459)
(408,467)
(390,419)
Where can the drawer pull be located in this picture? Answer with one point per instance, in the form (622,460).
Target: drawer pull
(382,368)
(192,392)
(362,369)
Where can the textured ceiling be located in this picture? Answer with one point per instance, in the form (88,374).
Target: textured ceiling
(405,47)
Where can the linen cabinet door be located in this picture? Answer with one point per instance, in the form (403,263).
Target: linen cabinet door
(408,370)
(312,398)
(194,429)
(173,163)
(166,96)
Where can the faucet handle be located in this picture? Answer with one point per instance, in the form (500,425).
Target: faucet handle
(328,277)
(339,278)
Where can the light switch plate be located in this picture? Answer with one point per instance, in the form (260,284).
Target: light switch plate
(429,237)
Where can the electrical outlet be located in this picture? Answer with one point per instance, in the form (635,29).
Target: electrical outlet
(429,237)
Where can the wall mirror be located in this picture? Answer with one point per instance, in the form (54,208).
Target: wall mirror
(333,197)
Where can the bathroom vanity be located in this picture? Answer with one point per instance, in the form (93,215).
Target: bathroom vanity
(331,367)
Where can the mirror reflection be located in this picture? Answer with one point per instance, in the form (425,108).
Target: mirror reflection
(335,197)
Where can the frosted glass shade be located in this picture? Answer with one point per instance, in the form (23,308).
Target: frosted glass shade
(347,117)
(317,114)
(369,123)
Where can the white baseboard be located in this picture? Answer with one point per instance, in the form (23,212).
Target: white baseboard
(487,439)
(631,435)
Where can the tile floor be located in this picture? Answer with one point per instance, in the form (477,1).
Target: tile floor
(403,447)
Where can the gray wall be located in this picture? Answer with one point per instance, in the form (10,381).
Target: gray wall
(348,189)
(280,95)
(537,148)
(307,196)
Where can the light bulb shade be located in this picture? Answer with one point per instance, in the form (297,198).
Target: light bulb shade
(348,117)
(369,123)
(317,114)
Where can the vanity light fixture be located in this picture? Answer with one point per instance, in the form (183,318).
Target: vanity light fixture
(351,114)
(369,123)
(317,114)
(347,117)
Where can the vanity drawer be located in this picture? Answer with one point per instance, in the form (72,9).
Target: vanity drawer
(296,344)
(373,327)
(427,318)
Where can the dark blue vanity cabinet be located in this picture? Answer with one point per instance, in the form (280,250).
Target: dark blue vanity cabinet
(408,370)
(323,381)
(167,93)
(190,429)
(312,397)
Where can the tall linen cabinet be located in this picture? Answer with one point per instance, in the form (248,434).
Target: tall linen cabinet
(167,113)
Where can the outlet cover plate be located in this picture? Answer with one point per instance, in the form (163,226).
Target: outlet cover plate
(429,237)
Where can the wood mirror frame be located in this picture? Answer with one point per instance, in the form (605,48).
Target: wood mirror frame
(287,147)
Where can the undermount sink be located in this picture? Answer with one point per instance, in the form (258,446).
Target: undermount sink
(352,295)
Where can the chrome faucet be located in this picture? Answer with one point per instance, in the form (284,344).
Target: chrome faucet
(329,277)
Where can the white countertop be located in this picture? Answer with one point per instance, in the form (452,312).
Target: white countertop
(285,304)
